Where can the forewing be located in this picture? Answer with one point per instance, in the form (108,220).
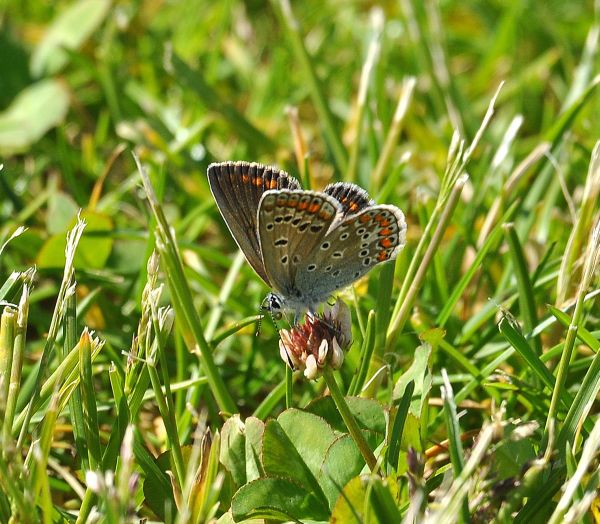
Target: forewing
(291,225)
(351,249)
(237,188)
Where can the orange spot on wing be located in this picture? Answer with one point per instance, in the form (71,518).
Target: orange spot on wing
(314,208)
(384,223)
(382,256)
(364,219)
(353,206)
(325,215)
(258,181)
(385,232)
(273,184)
(292,203)
(302,205)
(385,242)
(245,179)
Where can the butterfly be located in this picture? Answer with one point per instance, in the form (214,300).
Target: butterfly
(303,244)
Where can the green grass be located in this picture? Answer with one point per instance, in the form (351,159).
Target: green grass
(132,382)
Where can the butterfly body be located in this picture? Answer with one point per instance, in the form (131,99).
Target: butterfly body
(304,244)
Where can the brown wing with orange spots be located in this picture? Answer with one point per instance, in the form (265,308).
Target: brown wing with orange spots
(237,188)
(353,198)
(352,247)
(291,225)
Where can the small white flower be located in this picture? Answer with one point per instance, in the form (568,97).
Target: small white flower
(311,372)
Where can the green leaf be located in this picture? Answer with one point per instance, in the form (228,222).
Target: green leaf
(383,502)
(35,110)
(369,413)
(282,459)
(68,31)
(61,211)
(255,429)
(397,432)
(158,491)
(233,453)
(310,434)
(277,498)
(350,504)
(510,456)
(419,373)
(342,463)
(94,247)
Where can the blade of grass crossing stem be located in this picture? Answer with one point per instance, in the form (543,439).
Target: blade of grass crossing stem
(457,456)
(268,405)
(490,243)
(65,290)
(283,10)
(398,426)
(524,288)
(233,329)
(366,352)
(181,292)
(75,402)
(217,309)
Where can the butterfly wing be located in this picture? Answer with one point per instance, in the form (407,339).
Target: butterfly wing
(351,197)
(291,226)
(237,187)
(351,248)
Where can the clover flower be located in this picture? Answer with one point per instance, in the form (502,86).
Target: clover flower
(317,342)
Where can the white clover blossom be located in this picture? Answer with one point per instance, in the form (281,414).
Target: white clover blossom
(317,342)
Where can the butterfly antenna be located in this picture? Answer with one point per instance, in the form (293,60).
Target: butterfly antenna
(261,315)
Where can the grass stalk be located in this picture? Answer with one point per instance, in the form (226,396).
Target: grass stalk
(524,286)
(66,288)
(591,262)
(8,326)
(182,293)
(17,364)
(404,99)
(76,401)
(88,397)
(457,456)
(400,318)
(377,19)
(349,419)
(589,205)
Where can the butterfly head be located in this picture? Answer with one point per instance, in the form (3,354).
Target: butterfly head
(274,304)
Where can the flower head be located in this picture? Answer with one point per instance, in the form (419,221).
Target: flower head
(317,342)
